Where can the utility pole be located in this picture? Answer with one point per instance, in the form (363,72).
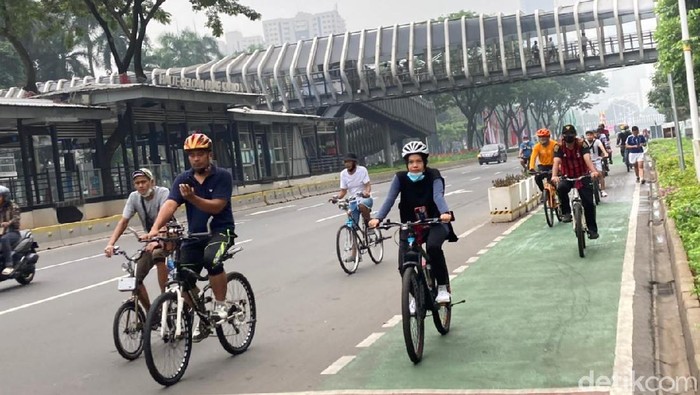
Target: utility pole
(690,77)
(679,138)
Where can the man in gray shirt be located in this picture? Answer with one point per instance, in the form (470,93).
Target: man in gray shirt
(145,201)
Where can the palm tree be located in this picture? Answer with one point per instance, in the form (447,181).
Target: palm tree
(183,49)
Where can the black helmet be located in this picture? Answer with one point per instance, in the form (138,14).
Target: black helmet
(350,156)
(568,129)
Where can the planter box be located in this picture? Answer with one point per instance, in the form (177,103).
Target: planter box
(504,203)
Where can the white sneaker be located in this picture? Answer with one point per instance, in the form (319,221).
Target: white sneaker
(220,312)
(603,194)
(443,296)
(412,305)
(7,271)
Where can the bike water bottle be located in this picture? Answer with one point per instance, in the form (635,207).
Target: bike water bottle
(171,266)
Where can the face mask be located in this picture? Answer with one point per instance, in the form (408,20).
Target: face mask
(569,138)
(148,193)
(545,143)
(415,176)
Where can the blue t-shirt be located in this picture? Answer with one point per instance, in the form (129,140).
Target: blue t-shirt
(632,140)
(217,185)
(526,147)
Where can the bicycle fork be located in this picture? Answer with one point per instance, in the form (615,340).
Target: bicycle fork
(178,317)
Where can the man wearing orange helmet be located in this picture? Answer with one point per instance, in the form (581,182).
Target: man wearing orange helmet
(206,191)
(544,153)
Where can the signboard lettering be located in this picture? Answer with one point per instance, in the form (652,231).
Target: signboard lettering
(193,83)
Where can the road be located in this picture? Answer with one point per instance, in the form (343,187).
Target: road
(57,331)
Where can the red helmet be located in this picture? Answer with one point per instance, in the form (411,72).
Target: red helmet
(544,132)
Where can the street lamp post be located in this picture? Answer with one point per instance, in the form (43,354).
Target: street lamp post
(690,77)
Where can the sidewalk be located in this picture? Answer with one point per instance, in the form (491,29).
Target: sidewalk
(537,317)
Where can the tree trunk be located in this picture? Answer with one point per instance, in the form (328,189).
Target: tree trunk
(27,64)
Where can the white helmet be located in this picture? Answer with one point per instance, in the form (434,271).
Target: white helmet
(414,147)
(4,192)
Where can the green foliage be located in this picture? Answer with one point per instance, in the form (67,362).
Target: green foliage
(185,48)
(670,49)
(11,71)
(681,191)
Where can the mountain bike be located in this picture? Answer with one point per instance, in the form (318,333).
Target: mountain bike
(577,210)
(550,199)
(419,288)
(168,348)
(130,317)
(353,240)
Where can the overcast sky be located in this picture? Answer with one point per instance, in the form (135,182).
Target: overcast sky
(358,14)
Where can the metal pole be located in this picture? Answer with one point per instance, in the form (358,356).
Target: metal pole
(679,138)
(690,77)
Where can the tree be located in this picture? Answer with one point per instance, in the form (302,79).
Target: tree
(185,48)
(11,72)
(670,50)
(131,18)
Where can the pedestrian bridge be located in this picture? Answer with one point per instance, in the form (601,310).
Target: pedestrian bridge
(437,56)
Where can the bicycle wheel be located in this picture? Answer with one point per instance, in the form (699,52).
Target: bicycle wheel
(442,313)
(557,207)
(578,229)
(413,324)
(347,249)
(236,334)
(127,330)
(548,213)
(375,244)
(596,192)
(167,354)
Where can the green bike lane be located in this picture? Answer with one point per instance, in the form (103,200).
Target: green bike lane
(537,316)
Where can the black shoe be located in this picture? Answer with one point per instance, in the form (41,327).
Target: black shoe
(201,333)
(644,182)
(593,235)
(566,218)
(637,179)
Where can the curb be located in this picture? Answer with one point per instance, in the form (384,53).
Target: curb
(688,303)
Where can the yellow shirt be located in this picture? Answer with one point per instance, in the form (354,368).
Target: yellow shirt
(544,154)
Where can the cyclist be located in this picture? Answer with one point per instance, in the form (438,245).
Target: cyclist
(622,139)
(9,228)
(525,152)
(575,161)
(206,191)
(604,137)
(635,152)
(145,201)
(355,180)
(544,153)
(422,188)
(598,155)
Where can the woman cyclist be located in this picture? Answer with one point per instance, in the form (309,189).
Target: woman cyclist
(422,189)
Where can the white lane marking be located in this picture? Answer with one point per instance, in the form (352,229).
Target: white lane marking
(466,172)
(482,252)
(69,262)
(339,364)
(460,269)
(243,241)
(472,259)
(517,224)
(625,315)
(475,178)
(571,390)
(452,276)
(272,209)
(498,172)
(392,321)
(499,238)
(370,340)
(331,217)
(472,230)
(75,291)
(308,207)
(491,244)
(457,192)
(448,185)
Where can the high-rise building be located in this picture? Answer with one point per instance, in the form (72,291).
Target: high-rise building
(237,42)
(529,6)
(303,26)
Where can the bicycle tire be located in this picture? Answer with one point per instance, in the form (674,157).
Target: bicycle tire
(596,192)
(344,235)
(242,313)
(548,213)
(375,241)
(442,313)
(578,228)
(557,208)
(131,346)
(414,339)
(167,301)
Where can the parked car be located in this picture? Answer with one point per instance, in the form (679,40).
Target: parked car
(492,153)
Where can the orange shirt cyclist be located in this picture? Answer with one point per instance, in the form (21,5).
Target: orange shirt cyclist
(544,153)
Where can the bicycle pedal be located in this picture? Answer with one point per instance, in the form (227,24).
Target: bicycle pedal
(460,302)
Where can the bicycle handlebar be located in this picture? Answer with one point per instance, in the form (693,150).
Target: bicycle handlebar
(405,225)
(575,179)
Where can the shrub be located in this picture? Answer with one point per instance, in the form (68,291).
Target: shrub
(681,192)
(508,180)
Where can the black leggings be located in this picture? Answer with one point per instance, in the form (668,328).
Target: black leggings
(206,253)
(434,236)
